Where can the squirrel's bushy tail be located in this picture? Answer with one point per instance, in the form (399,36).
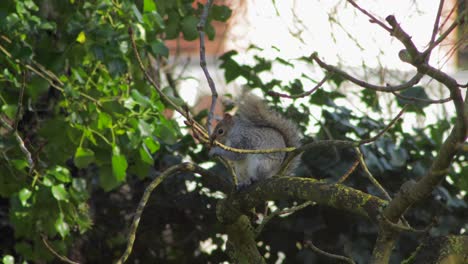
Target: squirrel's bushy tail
(252,108)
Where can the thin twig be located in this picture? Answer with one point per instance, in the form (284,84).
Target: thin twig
(373,19)
(21,144)
(278,212)
(335,143)
(310,245)
(370,176)
(422,100)
(374,138)
(388,88)
(351,170)
(182,167)
(55,253)
(458,21)
(404,228)
(214,93)
(435,29)
(20,102)
(304,94)
(148,77)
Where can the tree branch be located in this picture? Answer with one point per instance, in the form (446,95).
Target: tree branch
(183,167)
(304,94)
(326,254)
(214,93)
(388,88)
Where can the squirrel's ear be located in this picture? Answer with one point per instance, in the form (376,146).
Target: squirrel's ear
(227,116)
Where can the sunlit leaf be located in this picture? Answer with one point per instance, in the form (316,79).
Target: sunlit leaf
(83,157)
(62,227)
(24,195)
(81,38)
(119,165)
(59,192)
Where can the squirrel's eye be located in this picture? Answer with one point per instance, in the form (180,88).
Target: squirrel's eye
(220,131)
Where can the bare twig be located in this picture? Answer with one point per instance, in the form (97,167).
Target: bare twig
(278,212)
(304,94)
(148,77)
(309,244)
(372,18)
(55,253)
(374,138)
(429,101)
(435,29)
(351,170)
(405,39)
(388,88)
(182,167)
(458,21)
(20,102)
(334,143)
(404,228)
(21,144)
(370,176)
(214,93)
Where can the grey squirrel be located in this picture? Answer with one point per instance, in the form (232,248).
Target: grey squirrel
(255,126)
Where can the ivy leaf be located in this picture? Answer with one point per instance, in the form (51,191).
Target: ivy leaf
(416,106)
(221,13)
(151,144)
(60,173)
(149,6)
(81,38)
(140,98)
(24,195)
(189,28)
(145,155)
(62,227)
(119,164)
(9,110)
(104,120)
(8,259)
(83,157)
(59,192)
(158,48)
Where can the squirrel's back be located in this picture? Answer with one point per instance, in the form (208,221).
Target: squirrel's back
(254,110)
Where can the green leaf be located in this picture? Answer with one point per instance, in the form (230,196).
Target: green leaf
(107,179)
(416,106)
(189,28)
(9,110)
(141,99)
(81,38)
(151,144)
(8,259)
(119,165)
(221,13)
(146,130)
(149,6)
(104,120)
(59,192)
(20,164)
(158,48)
(62,227)
(145,155)
(24,195)
(83,157)
(61,173)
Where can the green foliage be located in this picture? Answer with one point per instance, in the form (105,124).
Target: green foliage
(97,133)
(87,118)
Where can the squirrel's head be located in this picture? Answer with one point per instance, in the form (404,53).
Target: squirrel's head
(222,129)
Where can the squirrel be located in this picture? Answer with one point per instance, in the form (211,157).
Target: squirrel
(255,126)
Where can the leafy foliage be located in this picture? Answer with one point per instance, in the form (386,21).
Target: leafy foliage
(97,134)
